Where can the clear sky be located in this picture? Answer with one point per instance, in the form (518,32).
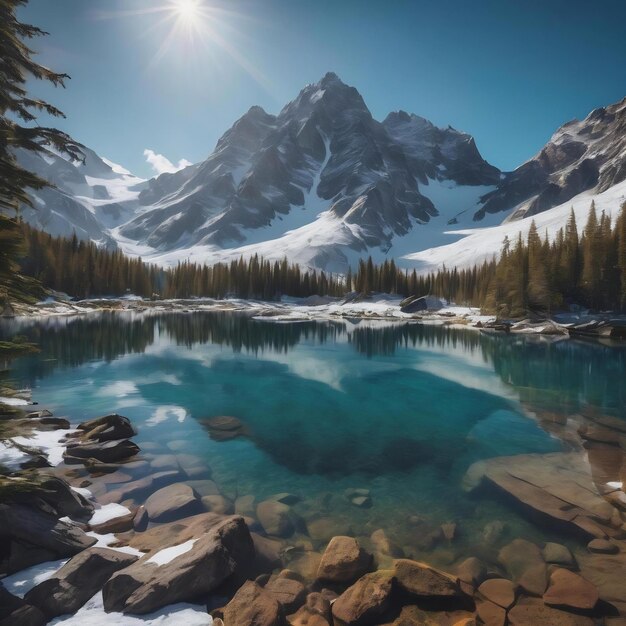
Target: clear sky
(146,77)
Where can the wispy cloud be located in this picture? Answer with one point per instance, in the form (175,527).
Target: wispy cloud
(161,164)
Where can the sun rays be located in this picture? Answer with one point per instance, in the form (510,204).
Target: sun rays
(192,31)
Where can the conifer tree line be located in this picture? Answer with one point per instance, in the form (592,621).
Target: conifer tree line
(586,267)
(83,270)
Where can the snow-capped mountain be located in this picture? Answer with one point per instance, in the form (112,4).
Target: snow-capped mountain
(325,184)
(581,156)
(87,198)
(323,164)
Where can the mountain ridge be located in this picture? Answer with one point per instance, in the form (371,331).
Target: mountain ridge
(325,183)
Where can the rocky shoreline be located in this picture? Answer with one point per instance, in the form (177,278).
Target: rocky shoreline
(147,531)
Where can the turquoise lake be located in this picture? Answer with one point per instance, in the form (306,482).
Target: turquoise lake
(400,409)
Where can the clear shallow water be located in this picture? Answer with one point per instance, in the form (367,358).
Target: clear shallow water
(400,409)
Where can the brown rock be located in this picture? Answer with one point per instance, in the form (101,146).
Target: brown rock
(172,502)
(602,546)
(343,561)
(365,601)
(559,555)
(384,545)
(499,591)
(490,614)
(275,518)
(223,550)
(533,612)
(115,525)
(423,581)
(253,606)
(315,612)
(77,581)
(218,504)
(290,593)
(523,560)
(472,571)
(570,591)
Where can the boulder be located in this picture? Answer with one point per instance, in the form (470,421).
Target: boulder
(107,428)
(490,614)
(244,505)
(558,554)
(62,498)
(30,536)
(422,581)
(365,601)
(118,524)
(314,612)
(185,569)
(106,452)
(343,561)
(383,545)
(14,611)
(533,612)
(172,502)
(523,560)
(275,518)
(570,591)
(556,488)
(253,606)
(289,592)
(472,571)
(218,504)
(499,591)
(77,581)
(205,488)
(602,546)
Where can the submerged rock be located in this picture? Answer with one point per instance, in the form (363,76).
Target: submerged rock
(275,517)
(524,561)
(499,591)
(602,546)
(172,502)
(570,591)
(77,581)
(422,581)
(559,555)
(343,561)
(533,612)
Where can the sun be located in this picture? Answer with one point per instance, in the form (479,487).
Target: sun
(187,10)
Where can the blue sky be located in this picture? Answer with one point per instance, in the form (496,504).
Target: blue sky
(507,72)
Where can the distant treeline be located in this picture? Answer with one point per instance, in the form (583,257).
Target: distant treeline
(532,274)
(82,269)
(587,268)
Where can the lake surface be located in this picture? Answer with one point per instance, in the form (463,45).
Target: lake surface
(400,409)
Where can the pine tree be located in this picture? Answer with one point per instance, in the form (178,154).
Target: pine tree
(620,228)
(18,130)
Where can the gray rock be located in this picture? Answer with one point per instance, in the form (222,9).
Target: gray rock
(107,428)
(31,536)
(77,581)
(107,451)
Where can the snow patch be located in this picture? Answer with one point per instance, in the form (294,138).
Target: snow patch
(167,555)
